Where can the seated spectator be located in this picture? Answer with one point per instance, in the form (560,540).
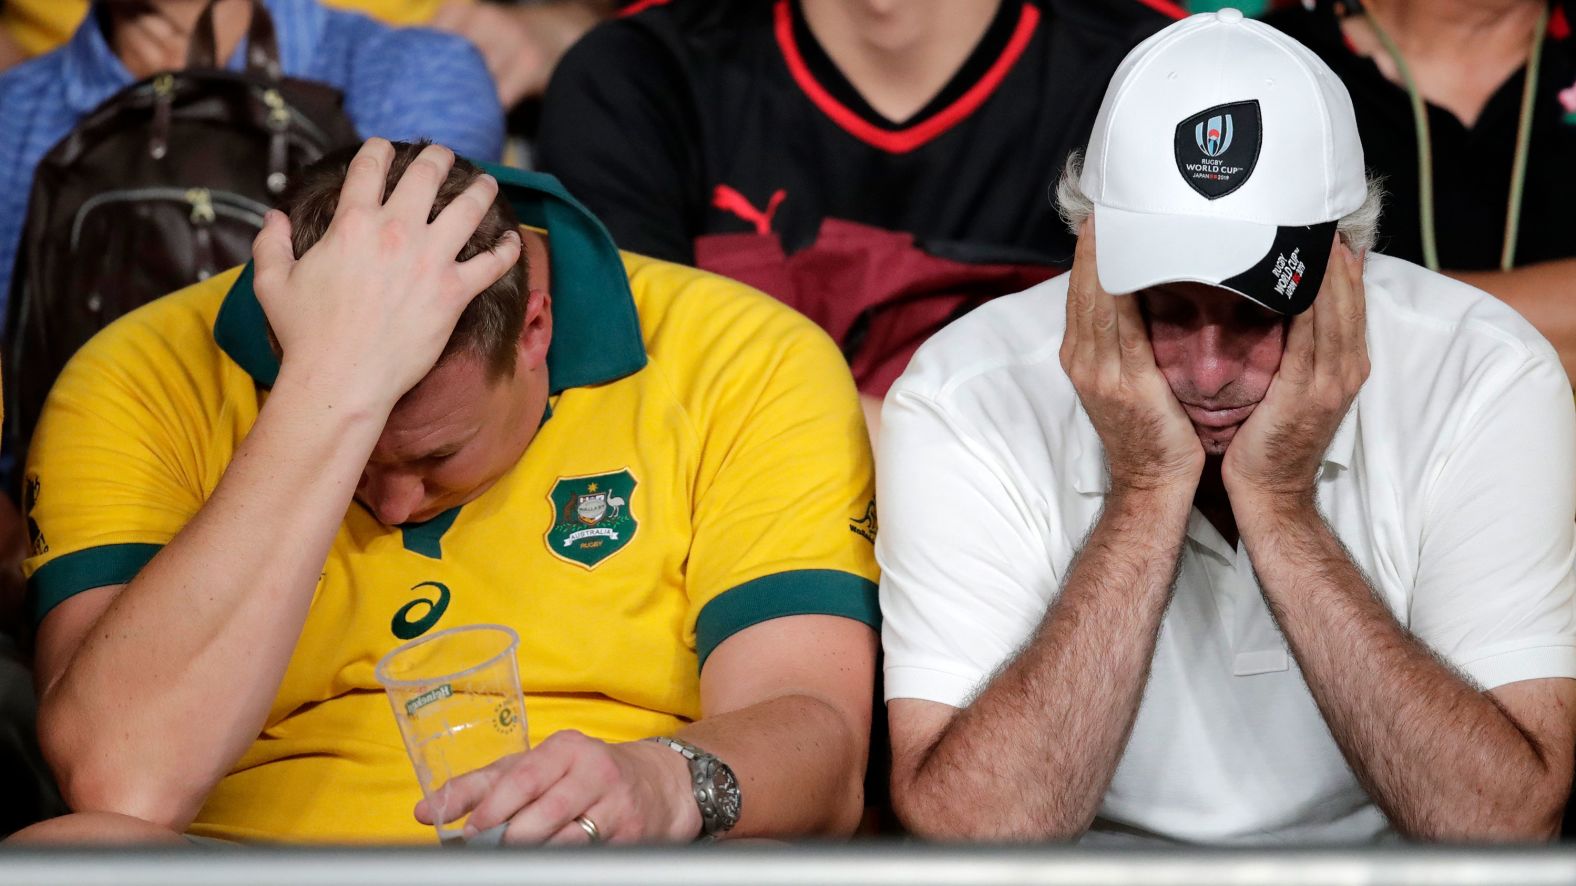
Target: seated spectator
(1238,533)
(1487,199)
(733,608)
(374,65)
(521,41)
(881,167)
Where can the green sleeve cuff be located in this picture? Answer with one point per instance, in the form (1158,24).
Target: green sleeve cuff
(71,574)
(801,592)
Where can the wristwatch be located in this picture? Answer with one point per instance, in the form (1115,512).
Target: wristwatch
(716,788)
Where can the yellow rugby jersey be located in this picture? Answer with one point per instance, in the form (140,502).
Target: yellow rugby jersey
(41,25)
(703,467)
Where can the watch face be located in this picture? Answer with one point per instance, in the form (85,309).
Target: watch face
(727,794)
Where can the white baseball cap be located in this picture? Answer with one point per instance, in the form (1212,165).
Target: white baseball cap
(1224,153)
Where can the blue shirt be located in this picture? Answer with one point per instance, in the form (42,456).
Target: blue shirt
(400,83)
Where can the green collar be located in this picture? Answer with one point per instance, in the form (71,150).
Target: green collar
(596,332)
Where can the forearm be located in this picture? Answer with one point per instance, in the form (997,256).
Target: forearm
(187,659)
(1032,756)
(1542,293)
(800,765)
(1440,758)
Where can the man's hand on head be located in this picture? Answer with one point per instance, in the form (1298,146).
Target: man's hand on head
(1273,462)
(367,311)
(1149,443)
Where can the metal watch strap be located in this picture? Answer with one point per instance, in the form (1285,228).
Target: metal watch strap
(714,817)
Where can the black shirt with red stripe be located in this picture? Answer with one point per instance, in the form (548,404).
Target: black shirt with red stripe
(721,133)
(1472,165)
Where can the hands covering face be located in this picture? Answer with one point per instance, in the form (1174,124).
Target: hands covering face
(1149,441)
(1278,451)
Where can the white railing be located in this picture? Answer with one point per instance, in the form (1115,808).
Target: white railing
(899,864)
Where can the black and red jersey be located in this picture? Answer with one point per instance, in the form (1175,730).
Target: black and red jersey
(721,134)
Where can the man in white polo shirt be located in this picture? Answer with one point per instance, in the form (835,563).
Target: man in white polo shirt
(1278,548)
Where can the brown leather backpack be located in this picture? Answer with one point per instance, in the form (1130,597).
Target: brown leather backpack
(161,186)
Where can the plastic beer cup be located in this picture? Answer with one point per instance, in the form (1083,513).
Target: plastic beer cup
(456,696)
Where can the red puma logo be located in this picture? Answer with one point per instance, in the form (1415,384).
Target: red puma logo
(729,200)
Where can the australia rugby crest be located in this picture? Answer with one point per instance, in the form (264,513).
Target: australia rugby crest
(593,517)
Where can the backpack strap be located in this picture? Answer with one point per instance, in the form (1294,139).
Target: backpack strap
(262,46)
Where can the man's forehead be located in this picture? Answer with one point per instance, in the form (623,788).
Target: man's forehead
(1205,296)
(449,402)
(1190,291)
(458,374)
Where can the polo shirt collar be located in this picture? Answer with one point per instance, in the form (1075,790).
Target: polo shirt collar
(93,72)
(596,331)
(1090,477)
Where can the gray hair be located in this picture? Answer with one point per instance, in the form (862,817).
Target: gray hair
(1359,228)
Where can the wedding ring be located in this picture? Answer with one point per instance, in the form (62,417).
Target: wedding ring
(590,828)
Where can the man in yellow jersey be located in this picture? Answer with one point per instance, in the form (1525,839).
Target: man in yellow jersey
(210,611)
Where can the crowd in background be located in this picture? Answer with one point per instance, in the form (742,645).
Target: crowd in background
(883,171)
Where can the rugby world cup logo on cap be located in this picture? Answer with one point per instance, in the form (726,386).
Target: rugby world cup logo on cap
(1214,135)
(1217,148)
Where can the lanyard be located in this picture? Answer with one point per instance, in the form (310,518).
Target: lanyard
(1425,151)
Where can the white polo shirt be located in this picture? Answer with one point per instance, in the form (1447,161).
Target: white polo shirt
(1452,482)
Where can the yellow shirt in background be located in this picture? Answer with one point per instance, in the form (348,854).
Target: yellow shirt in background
(40,25)
(713,434)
